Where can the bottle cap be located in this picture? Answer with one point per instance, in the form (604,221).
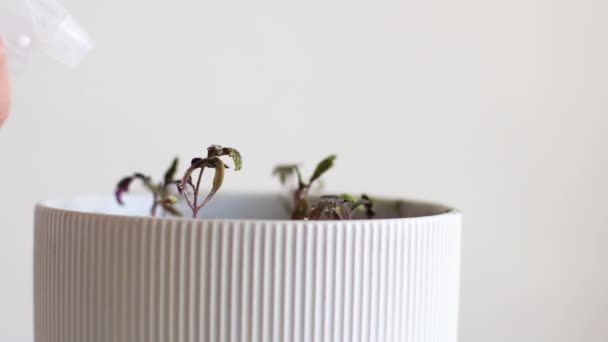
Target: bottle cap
(26,25)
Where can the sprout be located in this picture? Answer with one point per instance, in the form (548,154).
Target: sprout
(332,207)
(212,161)
(340,207)
(161,192)
(300,195)
(329,207)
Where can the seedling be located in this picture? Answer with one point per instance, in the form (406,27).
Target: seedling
(300,194)
(161,192)
(343,207)
(212,161)
(329,207)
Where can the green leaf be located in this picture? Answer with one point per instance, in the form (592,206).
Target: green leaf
(349,198)
(322,167)
(218,151)
(286,171)
(218,179)
(170,200)
(170,174)
(236,157)
(331,208)
(171,209)
(360,203)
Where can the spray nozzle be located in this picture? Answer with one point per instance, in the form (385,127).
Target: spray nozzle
(45,25)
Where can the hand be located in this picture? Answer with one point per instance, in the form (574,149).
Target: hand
(5,91)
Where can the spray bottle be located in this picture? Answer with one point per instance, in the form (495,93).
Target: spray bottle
(27,25)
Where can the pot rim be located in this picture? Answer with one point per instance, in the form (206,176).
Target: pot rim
(53,205)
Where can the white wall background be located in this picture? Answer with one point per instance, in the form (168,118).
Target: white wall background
(497,107)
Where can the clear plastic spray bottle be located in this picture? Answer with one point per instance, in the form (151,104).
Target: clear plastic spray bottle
(45,25)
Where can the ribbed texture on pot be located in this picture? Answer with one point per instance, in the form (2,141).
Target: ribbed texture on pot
(102,278)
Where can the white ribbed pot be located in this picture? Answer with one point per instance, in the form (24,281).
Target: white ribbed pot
(103,274)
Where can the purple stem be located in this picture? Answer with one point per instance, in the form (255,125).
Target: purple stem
(195,207)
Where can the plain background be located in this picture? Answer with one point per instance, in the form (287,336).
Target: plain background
(496,107)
